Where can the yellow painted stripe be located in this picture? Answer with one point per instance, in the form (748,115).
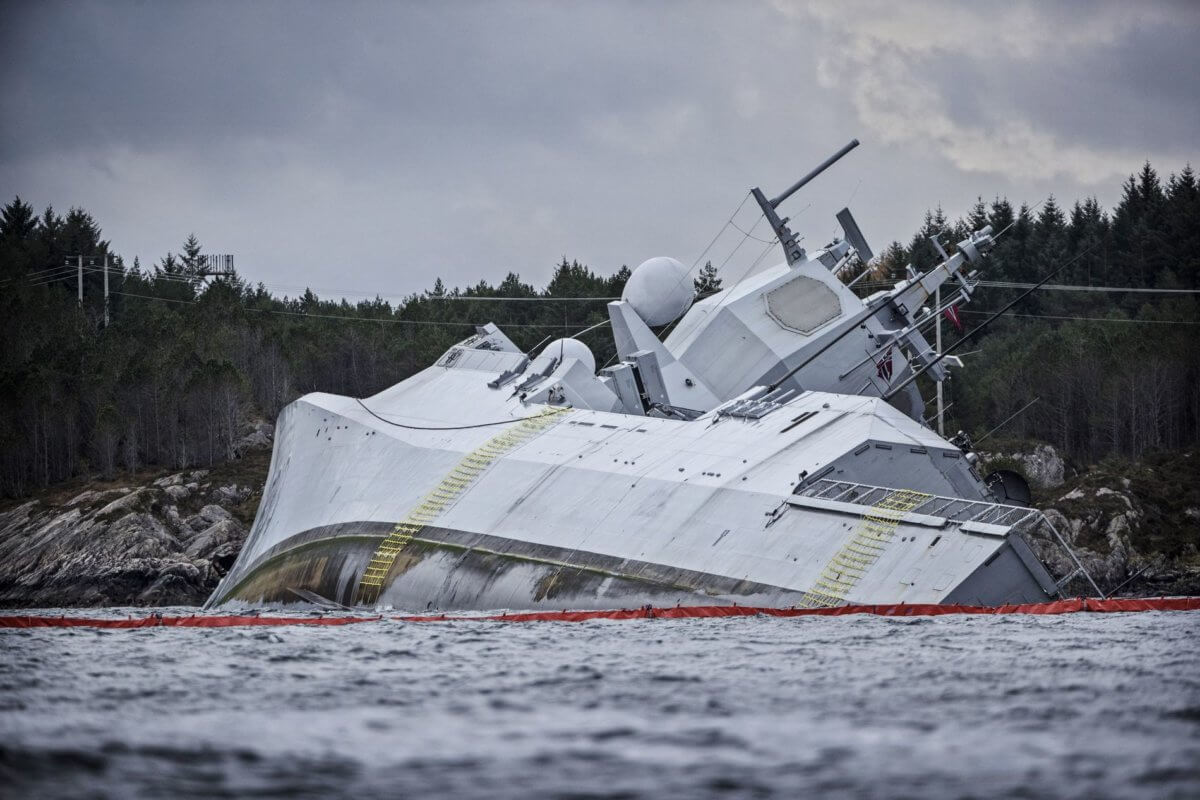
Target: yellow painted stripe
(862,550)
(459,479)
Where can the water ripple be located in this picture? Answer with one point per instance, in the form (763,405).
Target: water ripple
(1078,706)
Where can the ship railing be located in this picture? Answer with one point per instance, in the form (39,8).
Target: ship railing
(956,510)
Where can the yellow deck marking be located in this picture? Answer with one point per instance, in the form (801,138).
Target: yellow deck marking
(446,492)
(851,562)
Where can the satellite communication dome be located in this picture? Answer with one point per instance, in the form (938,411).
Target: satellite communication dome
(659,290)
(571,348)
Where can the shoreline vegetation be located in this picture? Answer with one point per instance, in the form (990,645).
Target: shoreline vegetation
(188,369)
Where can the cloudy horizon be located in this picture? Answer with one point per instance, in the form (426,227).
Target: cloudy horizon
(374,147)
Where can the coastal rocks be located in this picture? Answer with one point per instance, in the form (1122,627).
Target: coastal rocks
(227,531)
(232,494)
(1100,524)
(209,515)
(1041,465)
(164,543)
(1130,526)
(259,436)
(176,492)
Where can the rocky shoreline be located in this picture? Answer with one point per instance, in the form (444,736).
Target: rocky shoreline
(168,539)
(165,542)
(1134,526)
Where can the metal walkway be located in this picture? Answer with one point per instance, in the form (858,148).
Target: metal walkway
(956,510)
(873,534)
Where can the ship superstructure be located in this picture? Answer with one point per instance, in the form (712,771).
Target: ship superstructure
(770,451)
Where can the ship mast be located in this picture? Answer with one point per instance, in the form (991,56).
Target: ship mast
(791,246)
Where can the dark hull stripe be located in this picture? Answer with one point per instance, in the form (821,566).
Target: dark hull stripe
(354,540)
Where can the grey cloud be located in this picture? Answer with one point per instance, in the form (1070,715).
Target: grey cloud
(378,145)
(1075,90)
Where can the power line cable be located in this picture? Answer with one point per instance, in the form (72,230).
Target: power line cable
(447,427)
(728,222)
(1090,319)
(981,326)
(174,278)
(748,235)
(347,318)
(1059,287)
(1009,419)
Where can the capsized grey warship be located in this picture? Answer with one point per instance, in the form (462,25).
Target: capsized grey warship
(771,451)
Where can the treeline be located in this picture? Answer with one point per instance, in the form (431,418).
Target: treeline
(1116,372)
(186,359)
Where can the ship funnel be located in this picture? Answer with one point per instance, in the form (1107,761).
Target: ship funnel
(854,235)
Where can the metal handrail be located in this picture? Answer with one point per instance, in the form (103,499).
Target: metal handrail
(969,511)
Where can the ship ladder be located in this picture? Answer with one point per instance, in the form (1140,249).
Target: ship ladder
(457,481)
(863,549)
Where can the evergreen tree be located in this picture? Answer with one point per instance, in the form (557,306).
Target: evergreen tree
(17,221)
(1180,227)
(978,217)
(893,263)
(167,383)
(616,284)
(707,282)
(190,260)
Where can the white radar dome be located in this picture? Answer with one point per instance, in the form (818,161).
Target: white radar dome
(659,290)
(571,348)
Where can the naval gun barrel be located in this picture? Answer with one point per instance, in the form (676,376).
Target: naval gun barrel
(826,164)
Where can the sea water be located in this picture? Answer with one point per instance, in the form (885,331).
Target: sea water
(1082,705)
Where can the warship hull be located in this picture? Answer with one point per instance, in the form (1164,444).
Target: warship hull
(771,451)
(602,510)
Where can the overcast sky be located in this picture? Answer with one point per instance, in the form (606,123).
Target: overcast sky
(374,147)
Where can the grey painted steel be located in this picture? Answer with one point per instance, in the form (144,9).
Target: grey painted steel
(739,460)
(854,235)
(824,165)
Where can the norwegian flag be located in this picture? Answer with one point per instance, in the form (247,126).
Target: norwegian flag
(952,315)
(883,367)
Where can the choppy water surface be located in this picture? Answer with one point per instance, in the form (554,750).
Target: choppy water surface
(1074,706)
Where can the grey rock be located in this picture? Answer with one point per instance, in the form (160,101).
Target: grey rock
(1102,526)
(214,536)
(177,492)
(86,498)
(134,501)
(259,436)
(1042,465)
(213,514)
(134,549)
(231,495)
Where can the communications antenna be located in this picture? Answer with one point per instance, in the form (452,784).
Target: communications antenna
(215,266)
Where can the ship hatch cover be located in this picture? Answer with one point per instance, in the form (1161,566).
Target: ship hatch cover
(802,304)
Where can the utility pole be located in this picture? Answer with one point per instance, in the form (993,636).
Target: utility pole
(92,261)
(937,305)
(937,309)
(106,297)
